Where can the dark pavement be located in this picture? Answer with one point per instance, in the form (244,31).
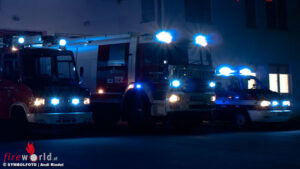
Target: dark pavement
(163,148)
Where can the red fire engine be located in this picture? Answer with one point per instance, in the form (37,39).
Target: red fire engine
(40,85)
(141,79)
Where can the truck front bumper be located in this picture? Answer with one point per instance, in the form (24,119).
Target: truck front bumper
(60,118)
(270,115)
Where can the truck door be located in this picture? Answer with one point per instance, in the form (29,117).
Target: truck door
(9,75)
(152,69)
(227,91)
(112,68)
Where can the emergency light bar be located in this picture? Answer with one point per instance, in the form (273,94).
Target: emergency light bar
(229,71)
(164,37)
(200,40)
(21,40)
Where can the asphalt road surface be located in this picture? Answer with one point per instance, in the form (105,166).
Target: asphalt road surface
(163,148)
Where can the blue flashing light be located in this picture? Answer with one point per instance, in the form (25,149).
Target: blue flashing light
(75,101)
(21,40)
(225,71)
(164,37)
(62,42)
(138,86)
(54,101)
(200,40)
(246,72)
(275,103)
(175,83)
(212,84)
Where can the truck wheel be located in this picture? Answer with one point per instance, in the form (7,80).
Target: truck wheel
(19,121)
(242,120)
(139,113)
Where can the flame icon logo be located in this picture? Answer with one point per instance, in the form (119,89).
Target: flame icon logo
(30,149)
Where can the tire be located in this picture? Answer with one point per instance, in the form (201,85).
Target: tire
(139,113)
(19,121)
(242,120)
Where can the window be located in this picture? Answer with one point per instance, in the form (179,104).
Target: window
(198,56)
(198,11)
(282,22)
(112,67)
(10,67)
(148,10)
(273,82)
(117,55)
(250,14)
(112,55)
(279,79)
(284,83)
(276,14)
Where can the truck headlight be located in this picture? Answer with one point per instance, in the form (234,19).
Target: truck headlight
(265,103)
(38,102)
(286,103)
(173,98)
(86,101)
(213,98)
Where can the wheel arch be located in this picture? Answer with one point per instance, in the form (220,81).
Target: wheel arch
(18,105)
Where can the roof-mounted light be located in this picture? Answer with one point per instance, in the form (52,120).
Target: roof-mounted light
(200,40)
(164,37)
(21,40)
(62,42)
(246,72)
(225,71)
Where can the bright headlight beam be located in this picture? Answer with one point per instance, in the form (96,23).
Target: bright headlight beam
(286,103)
(174,98)
(39,102)
(265,103)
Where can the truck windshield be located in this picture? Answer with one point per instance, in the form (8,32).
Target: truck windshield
(50,68)
(176,54)
(251,83)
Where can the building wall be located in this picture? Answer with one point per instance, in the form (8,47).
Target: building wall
(231,41)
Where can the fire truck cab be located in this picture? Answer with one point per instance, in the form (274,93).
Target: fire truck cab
(141,79)
(40,85)
(242,99)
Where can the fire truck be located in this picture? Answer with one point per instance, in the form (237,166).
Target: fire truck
(40,85)
(243,99)
(143,79)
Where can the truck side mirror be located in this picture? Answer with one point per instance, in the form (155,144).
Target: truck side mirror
(81,72)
